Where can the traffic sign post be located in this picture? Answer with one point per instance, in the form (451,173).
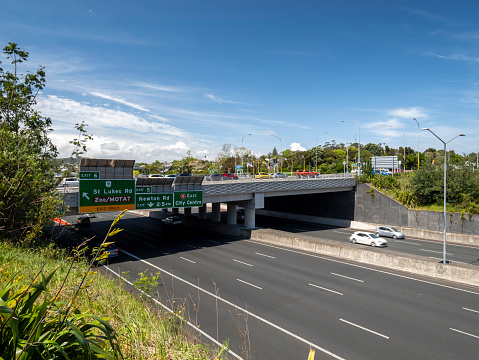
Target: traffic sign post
(154,201)
(106,195)
(190,198)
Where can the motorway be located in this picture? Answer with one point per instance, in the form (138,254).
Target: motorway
(275,303)
(423,247)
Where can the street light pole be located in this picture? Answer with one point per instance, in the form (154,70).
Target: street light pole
(359,144)
(317,149)
(281,142)
(242,153)
(444,261)
(418,138)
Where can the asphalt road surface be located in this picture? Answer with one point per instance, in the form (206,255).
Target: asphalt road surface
(275,303)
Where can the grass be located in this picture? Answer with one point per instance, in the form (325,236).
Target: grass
(143,331)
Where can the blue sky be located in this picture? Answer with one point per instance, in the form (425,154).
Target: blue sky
(155,79)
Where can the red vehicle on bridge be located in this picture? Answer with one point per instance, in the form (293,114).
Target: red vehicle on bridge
(302,173)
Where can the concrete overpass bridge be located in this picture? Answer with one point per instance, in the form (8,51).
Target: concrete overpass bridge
(253,194)
(257,194)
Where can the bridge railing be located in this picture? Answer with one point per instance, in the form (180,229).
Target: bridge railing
(287,178)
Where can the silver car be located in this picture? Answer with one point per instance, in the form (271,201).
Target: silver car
(389,231)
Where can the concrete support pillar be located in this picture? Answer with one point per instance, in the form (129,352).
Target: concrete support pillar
(249,218)
(216,212)
(175,211)
(202,212)
(187,211)
(231,214)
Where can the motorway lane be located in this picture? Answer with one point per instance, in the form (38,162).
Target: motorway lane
(423,247)
(415,317)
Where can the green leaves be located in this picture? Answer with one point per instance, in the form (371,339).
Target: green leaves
(32,328)
(26,153)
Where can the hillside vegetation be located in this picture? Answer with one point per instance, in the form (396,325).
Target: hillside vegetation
(424,188)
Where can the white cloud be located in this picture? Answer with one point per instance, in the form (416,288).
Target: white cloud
(296,147)
(119,100)
(409,113)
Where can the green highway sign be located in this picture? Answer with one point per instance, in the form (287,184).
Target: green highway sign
(154,201)
(190,198)
(143,190)
(89,175)
(106,195)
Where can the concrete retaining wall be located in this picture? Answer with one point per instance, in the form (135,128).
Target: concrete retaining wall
(462,273)
(375,207)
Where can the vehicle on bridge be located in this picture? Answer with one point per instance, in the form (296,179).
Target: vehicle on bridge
(279,176)
(230,176)
(214,177)
(156,176)
(361,237)
(389,231)
(381,172)
(262,175)
(306,173)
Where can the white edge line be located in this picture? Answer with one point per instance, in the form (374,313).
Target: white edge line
(347,277)
(247,283)
(433,251)
(191,261)
(178,316)
(238,307)
(470,310)
(465,333)
(268,256)
(322,288)
(242,262)
(361,327)
(367,268)
(214,242)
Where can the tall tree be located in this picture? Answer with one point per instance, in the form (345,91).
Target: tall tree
(27,155)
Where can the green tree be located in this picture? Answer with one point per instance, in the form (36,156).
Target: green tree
(27,155)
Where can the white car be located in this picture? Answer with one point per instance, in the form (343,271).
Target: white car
(70,182)
(360,237)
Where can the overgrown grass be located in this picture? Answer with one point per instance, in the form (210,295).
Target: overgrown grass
(143,331)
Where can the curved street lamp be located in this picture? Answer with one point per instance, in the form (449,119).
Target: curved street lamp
(359,144)
(317,149)
(444,261)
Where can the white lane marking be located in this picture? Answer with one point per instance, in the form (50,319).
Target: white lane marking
(191,261)
(249,313)
(407,242)
(175,314)
(191,246)
(299,230)
(242,262)
(347,277)
(438,252)
(247,283)
(214,242)
(363,328)
(364,267)
(322,288)
(342,232)
(272,257)
(471,310)
(465,333)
